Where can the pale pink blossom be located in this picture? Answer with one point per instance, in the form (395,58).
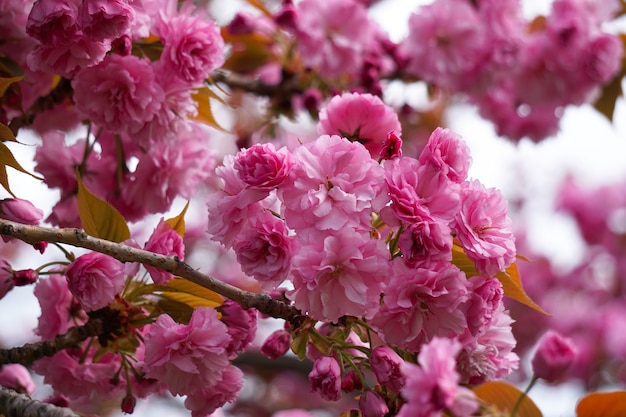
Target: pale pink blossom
(187,357)
(421,303)
(554,356)
(426,241)
(484,300)
(335,184)
(264,250)
(386,364)
(119,94)
(69,58)
(95,279)
(59,309)
(325,378)
(16,377)
(483,228)
(204,401)
(433,387)
(193,46)
(105,19)
(338,274)
(447,153)
(165,241)
(262,167)
(334,36)
(360,118)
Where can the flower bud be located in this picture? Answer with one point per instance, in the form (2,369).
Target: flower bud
(25,277)
(128,404)
(554,357)
(325,378)
(351,382)
(372,405)
(242,325)
(386,366)
(276,345)
(16,377)
(21,211)
(392,146)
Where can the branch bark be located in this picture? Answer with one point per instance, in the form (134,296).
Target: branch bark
(13,404)
(78,238)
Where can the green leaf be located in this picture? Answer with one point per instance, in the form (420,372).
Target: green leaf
(299,344)
(5,82)
(504,396)
(99,218)
(178,223)
(602,404)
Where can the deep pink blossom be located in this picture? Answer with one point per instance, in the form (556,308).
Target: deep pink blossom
(105,19)
(554,356)
(262,167)
(325,378)
(204,401)
(484,299)
(164,241)
(433,386)
(53,21)
(95,279)
(386,366)
(6,278)
(193,46)
(276,344)
(20,211)
(338,274)
(335,184)
(362,118)
(447,152)
(421,303)
(242,325)
(372,405)
(59,309)
(187,357)
(483,228)
(426,241)
(119,94)
(16,377)
(68,58)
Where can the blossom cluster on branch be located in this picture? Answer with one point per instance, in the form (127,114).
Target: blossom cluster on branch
(361,229)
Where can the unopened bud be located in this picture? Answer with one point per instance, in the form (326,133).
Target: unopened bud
(553,357)
(128,404)
(276,345)
(25,277)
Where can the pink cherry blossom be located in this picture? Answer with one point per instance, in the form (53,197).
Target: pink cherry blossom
(421,303)
(95,279)
(426,241)
(339,274)
(119,94)
(20,211)
(105,19)
(193,46)
(325,378)
(276,344)
(483,228)
(433,386)
(242,325)
(362,118)
(69,58)
(53,21)
(16,377)
(262,167)
(386,366)
(204,401)
(59,309)
(447,152)
(554,356)
(187,357)
(372,405)
(335,184)
(165,241)
(264,250)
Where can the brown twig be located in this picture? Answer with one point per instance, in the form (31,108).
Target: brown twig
(13,404)
(76,237)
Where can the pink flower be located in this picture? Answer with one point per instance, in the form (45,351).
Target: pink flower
(264,250)
(119,94)
(59,309)
(16,377)
(6,278)
(372,405)
(433,386)
(164,241)
(187,357)
(386,366)
(483,228)
(105,19)
(360,118)
(276,344)
(334,185)
(68,58)
(262,167)
(95,279)
(334,36)
(338,274)
(426,241)
(392,146)
(20,211)
(325,378)
(53,22)
(554,356)
(242,325)
(206,400)
(447,153)
(421,303)
(193,46)
(292,413)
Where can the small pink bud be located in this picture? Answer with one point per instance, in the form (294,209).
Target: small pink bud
(40,246)
(351,382)
(392,146)
(287,17)
(277,344)
(128,404)
(16,377)
(372,405)
(325,378)
(20,211)
(25,277)
(554,356)
(386,366)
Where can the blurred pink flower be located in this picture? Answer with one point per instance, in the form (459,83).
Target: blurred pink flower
(187,357)
(20,211)
(59,309)
(204,401)
(554,356)
(165,241)
(105,19)
(386,366)
(6,278)
(16,377)
(325,378)
(95,279)
(372,405)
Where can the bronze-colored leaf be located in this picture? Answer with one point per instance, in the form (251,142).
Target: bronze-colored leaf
(178,223)
(512,286)
(504,396)
(602,404)
(202,96)
(5,82)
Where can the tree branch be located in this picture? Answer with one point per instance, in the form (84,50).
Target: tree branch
(76,237)
(285,89)
(13,404)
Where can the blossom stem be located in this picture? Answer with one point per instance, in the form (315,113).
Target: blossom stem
(518,403)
